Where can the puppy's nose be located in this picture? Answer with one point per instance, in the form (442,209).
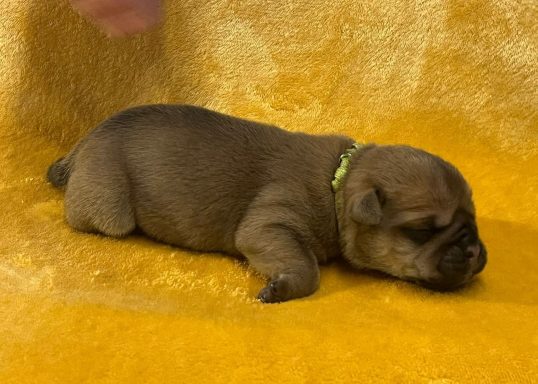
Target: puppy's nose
(473,251)
(482,258)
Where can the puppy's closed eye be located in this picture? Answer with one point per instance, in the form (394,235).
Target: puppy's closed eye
(419,235)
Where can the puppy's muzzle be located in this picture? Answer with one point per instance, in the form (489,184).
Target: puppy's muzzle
(463,258)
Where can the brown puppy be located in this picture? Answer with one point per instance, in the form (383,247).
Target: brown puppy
(210,182)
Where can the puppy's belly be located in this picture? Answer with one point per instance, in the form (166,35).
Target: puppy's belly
(181,227)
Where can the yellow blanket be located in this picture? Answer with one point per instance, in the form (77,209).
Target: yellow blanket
(455,77)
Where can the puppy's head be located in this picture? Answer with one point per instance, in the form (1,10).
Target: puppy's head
(410,214)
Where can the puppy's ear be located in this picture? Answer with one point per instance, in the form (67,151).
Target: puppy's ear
(367,208)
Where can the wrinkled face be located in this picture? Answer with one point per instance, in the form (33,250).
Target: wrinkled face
(410,214)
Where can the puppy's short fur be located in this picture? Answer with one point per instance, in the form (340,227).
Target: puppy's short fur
(206,181)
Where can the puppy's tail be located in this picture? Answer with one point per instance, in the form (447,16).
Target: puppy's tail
(58,173)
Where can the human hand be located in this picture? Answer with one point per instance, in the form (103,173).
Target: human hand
(118,18)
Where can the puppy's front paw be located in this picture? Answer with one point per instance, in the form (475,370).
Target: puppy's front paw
(275,292)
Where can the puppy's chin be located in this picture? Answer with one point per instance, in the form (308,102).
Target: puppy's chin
(440,286)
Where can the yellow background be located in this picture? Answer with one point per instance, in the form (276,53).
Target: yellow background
(458,78)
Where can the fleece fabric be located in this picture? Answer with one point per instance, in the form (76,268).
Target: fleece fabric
(455,77)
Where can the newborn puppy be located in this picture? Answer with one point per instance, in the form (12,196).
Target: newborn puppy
(286,201)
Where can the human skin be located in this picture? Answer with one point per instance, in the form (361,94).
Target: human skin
(120,18)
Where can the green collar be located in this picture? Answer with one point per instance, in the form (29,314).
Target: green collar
(341,172)
(338,182)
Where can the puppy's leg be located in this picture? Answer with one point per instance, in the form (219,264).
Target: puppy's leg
(99,202)
(277,252)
